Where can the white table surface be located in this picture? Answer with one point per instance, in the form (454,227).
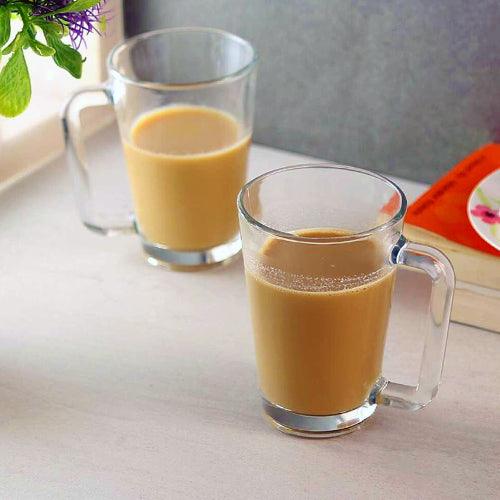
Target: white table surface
(119,380)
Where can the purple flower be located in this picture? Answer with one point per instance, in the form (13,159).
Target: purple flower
(79,24)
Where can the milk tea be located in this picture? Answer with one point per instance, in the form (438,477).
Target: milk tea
(320,314)
(186,165)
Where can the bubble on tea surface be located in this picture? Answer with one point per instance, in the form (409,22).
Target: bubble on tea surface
(310,283)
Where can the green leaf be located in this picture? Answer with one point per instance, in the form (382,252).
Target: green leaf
(76,6)
(493,230)
(50,27)
(4,25)
(16,43)
(483,198)
(40,48)
(15,85)
(24,10)
(65,56)
(103,24)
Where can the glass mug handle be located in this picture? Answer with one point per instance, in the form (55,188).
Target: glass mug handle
(439,269)
(96,219)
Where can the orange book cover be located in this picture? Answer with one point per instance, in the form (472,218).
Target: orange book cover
(443,209)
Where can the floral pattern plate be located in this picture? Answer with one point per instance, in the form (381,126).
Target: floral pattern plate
(483,209)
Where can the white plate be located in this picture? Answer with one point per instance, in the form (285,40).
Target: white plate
(483,209)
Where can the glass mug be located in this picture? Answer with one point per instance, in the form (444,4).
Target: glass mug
(321,244)
(184,101)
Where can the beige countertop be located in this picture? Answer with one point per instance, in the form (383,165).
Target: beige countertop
(119,380)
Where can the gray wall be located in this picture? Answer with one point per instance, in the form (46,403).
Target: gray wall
(403,86)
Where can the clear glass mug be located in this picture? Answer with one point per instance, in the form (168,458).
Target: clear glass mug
(184,102)
(320,246)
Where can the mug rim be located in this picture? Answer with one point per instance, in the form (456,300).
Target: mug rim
(126,44)
(333,239)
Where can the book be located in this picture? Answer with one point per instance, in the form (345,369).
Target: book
(459,215)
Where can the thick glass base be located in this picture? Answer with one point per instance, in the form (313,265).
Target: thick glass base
(312,426)
(196,260)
